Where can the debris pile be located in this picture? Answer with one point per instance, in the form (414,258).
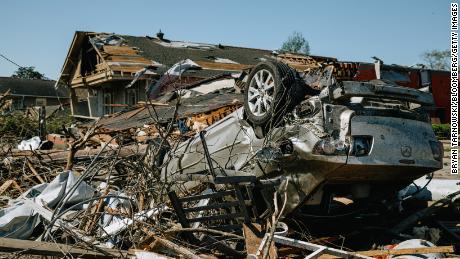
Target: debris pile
(114,202)
(219,174)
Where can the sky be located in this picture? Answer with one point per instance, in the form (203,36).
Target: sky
(39,33)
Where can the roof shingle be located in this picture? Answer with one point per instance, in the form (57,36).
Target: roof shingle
(26,87)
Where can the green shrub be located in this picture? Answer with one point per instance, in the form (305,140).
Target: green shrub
(441,130)
(54,123)
(18,125)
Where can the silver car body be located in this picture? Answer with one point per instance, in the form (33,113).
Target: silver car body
(399,152)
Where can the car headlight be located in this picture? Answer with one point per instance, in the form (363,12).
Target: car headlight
(437,149)
(331,147)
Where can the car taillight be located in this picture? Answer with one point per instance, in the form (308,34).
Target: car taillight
(361,145)
(437,149)
(330,147)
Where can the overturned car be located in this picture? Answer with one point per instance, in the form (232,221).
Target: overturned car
(310,132)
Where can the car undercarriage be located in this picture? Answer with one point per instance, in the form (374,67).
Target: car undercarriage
(369,138)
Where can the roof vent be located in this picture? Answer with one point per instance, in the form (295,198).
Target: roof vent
(160,35)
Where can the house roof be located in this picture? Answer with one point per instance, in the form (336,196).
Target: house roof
(36,88)
(125,55)
(137,117)
(170,52)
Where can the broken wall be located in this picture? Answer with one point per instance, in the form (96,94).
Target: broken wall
(106,98)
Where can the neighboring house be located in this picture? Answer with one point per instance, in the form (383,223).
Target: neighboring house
(99,66)
(25,93)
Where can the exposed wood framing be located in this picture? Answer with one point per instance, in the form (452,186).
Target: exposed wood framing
(222,66)
(101,77)
(119,50)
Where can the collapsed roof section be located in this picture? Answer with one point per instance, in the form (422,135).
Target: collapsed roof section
(109,72)
(94,58)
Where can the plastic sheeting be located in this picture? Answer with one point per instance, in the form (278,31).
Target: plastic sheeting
(106,39)
(170,76)
(186,45)
(20,219)
(415,243)
(30,144)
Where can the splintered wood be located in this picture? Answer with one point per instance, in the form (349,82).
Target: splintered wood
(7,185)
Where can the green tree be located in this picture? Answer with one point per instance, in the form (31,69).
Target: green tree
(296,43)
(28,73)
(437,59)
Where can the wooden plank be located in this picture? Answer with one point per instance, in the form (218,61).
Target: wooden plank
(101,77)
(17,187)
(8,184)
(5,186)
(54,249)
(119,50)
(299,67)
(183,251)
(126,58)
(253,237)
(87,80)
(222,66)
(409,251)
(32,168)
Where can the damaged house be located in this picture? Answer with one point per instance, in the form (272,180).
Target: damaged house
(100,67)
(24,93)
(109,73)
(231,152)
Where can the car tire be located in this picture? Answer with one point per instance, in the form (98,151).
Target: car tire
(271,91)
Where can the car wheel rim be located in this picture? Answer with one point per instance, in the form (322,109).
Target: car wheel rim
(261,92)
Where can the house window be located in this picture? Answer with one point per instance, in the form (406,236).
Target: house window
(131,97)
(40,102)
(107,103)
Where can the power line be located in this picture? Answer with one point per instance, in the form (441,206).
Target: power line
(16,64)
(9,60)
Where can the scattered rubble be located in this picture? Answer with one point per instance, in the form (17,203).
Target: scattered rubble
(115,205)
(210,172)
